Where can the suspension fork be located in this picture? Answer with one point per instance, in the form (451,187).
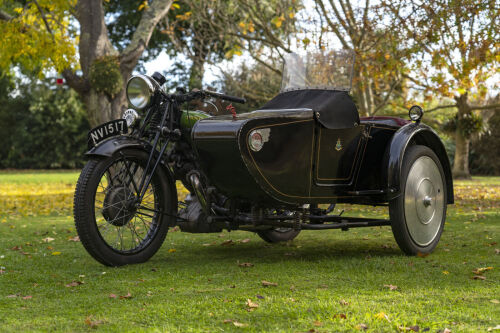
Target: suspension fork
(147,176)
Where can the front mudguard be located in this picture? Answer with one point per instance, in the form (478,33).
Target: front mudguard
(114,144)
(414,133)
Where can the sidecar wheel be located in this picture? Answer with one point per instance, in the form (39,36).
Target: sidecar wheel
(418,214)
(112,227)
(278,235)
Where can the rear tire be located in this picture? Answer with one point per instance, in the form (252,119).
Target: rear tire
(418,214)
(278,235)
(103,178)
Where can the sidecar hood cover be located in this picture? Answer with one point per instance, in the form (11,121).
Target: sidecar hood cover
(333,109)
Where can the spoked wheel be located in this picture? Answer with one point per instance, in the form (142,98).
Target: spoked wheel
(277,235)
(113,225)
(418,215)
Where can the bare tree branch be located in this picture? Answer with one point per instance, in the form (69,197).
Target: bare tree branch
(140,39)
(441,107)
(4,16)
(485,107)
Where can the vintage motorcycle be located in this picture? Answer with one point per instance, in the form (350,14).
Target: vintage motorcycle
(265,171)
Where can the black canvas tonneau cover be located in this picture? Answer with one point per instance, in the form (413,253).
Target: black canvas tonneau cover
(332,108)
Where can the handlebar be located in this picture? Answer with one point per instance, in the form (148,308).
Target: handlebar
(203,93)
(225,97)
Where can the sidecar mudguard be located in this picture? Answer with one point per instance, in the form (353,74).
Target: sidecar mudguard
(114,144)
(407,135)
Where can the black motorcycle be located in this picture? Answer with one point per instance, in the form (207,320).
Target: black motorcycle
(265,171)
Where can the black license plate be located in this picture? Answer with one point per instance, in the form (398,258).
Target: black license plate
(106,130)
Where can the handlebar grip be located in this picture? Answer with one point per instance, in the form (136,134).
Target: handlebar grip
(226,97)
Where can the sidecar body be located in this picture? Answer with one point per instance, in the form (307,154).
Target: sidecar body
(311,147)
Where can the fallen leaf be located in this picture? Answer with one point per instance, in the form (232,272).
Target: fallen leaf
(382,315)
(50,247)
(27,297)
(12,296)
(259,296)
(171,250)
(318,323)
(494,328)
(56,253)
(495,301)
(74,239)
(481,270)
(129,295)
(415,328)
(251,304)
(361,327)
(446,330)
(227,321)
(390,286)
(422,255)
(343,302)
(340,315)
(479,277)
(246,240)
(227,242)
(48,239)
(16,248)
(74,284)
(446,272)
(237,324)
(89,321)
(245,264)
(269,284)
(112,296)
(497,251)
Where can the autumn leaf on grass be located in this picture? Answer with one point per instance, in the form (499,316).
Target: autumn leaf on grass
(390,286)
(238,324)
(129,295)
(112,296)
(269,284)
(478,277)
(481,270)
(245,264)
(415,328)
(422,255)
(361,327)
(382,315)
(246,240)
(74,239)
(56,253)
(227,242)
(92,323)
(317,323)
(251,305)
(343,302)
(48,239)
(340,315)
(171,250)
(27,297)
(74,284)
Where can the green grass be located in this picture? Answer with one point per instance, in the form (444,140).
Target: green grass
(200,285)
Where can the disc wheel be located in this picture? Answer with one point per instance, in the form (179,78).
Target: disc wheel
(419,213)
(113,225)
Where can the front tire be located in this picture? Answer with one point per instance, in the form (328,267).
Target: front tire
(112,227)
(418,214)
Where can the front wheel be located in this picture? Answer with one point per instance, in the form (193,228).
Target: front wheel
(114,227)
(419,213)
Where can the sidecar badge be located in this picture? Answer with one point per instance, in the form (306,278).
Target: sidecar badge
(257,138)
(338,146)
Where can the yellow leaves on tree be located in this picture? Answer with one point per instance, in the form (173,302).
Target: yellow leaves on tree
(38,36)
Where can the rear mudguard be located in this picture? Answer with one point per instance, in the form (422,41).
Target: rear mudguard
(114,144)
(414,133)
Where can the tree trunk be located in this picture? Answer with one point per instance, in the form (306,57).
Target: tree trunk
(461,161)
(196,74)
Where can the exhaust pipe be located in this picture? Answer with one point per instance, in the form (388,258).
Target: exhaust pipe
(194,179)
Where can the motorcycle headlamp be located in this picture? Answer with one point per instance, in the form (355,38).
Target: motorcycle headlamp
(140,90)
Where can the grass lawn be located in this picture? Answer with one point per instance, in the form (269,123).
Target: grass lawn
(326,281)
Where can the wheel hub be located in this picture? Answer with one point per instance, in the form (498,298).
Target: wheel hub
(424,201)
(119,205)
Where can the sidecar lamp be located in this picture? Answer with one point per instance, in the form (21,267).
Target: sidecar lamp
(416,113)
(255,140)
(131,116)
(140,89)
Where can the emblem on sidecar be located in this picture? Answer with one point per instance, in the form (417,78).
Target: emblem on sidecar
(338,146)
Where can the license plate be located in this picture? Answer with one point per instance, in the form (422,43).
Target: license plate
(106,130)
